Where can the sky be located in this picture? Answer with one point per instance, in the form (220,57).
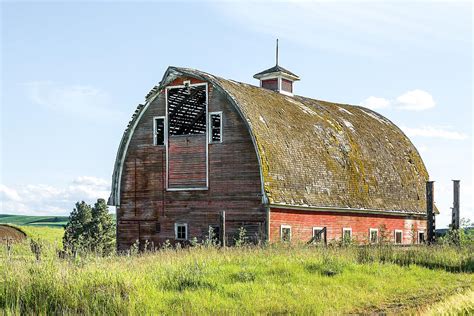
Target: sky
(72,74)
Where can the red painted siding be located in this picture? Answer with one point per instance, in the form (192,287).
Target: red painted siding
(287,85)
(271,84)
(302,223)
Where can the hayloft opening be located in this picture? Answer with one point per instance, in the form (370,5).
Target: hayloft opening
(187,110)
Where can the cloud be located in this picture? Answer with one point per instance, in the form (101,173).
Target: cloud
(415,100)
(80,100)
(8,194)
(349,27)
(41,199)
(433,132)
(375,103)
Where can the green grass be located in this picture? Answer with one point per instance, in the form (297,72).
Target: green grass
(51,221)
(273,279)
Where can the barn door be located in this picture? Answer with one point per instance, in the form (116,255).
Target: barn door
(187,165)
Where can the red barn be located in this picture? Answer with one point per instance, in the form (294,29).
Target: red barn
(284,167)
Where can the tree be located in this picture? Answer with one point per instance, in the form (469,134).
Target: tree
(75,234)
(102,229)
(90,229)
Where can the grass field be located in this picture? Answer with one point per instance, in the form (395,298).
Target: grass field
(274,279)
(51,221)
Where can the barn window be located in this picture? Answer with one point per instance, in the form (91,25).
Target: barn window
(421,237)
(285,233)
(347,235)
(181,231)
(187,110)
(215,127)
(373,235)
(319,234)
(159,130)
(398,236)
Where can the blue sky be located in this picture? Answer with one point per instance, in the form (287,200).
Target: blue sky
(72,74)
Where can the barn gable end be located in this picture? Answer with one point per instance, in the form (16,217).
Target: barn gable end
(149,210)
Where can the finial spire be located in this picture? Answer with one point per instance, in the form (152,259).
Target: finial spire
(277,53)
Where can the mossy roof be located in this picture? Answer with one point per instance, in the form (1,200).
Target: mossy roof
(316,153)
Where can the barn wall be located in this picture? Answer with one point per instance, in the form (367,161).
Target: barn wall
(148,212)
(302,223)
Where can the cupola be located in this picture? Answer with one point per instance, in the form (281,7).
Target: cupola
(277,78)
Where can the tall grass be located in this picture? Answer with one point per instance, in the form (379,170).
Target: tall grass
(246,280)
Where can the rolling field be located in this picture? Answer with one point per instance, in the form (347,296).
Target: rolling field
(275,279)
(22,220)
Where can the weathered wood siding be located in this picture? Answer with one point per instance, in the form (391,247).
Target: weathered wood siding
(148,212)
(302,223)
(187,161)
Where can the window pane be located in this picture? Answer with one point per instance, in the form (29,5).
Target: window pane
(181,232)
(286,234)
(347,235)
(421,237)
(215,127)
(398,237)
(373,236)
(160,131)
(317,234)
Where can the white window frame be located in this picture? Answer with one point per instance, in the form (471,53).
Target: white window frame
(317,228)
(344,229)
(395,236)
(176,225)
(210,126)
(154,130)
(418,236)
(370,235)
(281,232)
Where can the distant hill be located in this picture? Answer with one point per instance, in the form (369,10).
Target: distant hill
(51,221)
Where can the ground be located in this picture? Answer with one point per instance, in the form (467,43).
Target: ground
(274,279)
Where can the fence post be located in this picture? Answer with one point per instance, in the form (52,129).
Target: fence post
(430,212)
(223,241)
(455,213)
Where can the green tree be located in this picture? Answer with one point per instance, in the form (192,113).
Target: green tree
(101,229)
(90,229)
(76,230)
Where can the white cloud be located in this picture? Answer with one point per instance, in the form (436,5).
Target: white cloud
(8,194)
(41,199)
(348,27)
(375,103)
(415,100)
(80,100)
(433,132)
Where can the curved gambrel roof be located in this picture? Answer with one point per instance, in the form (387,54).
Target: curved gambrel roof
(317,154)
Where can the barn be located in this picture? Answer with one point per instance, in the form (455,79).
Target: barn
(206,152)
